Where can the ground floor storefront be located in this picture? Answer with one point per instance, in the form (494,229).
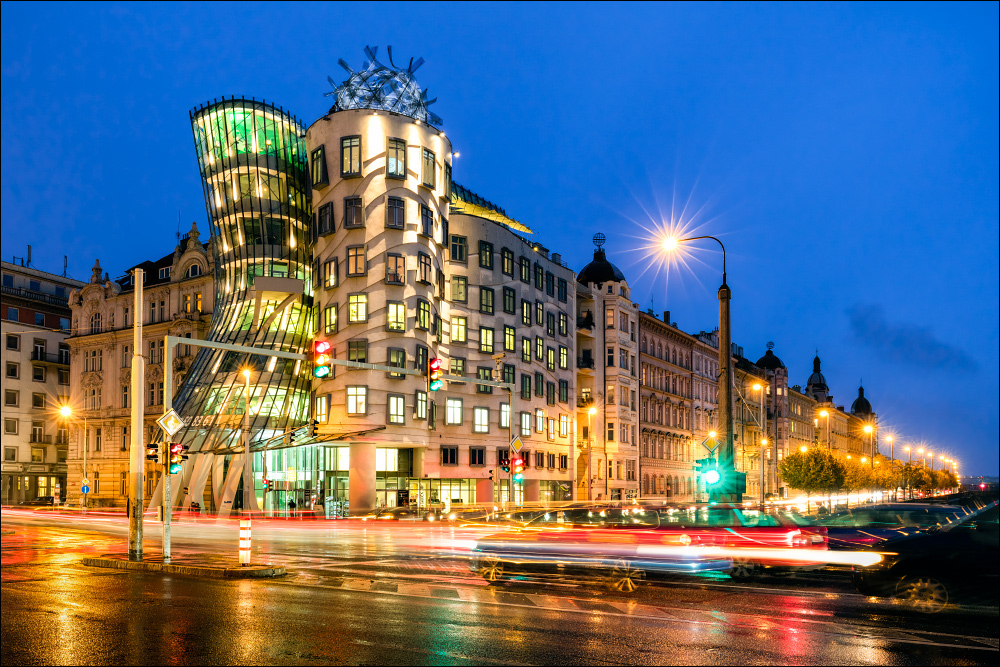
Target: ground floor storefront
(340,481)
(23,487)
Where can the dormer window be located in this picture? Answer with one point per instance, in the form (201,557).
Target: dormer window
(194,271)
(164,273)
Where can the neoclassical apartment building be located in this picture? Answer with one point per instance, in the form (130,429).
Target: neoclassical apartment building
(672,407)
(411,267)
(178,297)
(35,320)
(607,381)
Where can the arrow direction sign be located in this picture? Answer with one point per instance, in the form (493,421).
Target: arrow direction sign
(170,422)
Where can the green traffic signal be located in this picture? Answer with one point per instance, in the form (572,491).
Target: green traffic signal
(712,477)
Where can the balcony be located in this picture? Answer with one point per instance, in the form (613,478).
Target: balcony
(40,439)
(585,363)
(586,323)
(30,295)
(60,358)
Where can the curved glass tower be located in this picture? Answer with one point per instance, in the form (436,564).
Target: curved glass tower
(254,168)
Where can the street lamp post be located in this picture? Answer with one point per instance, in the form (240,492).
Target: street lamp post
(826,414)
(892,464)
(758,387)
(868,430)
(590,454)
(909,470)
(725,378)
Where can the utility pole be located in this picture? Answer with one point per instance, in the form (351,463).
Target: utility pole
(137,461)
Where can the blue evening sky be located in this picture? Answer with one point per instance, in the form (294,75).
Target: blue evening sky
(847,154)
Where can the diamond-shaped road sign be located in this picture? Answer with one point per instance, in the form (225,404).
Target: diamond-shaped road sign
(516,443)
(170,422)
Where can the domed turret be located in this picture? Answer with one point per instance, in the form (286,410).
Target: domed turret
(600,270)
(816,386)
(770,361)
(861,406)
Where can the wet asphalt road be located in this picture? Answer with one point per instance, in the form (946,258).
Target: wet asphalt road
(402,594)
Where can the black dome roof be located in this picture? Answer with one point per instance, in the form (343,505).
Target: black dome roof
(770,361)
(600,271)
(861,406)
(816,379)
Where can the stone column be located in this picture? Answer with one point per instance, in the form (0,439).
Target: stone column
(361,481)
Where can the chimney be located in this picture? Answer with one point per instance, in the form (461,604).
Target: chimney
(666,317)
(557,258)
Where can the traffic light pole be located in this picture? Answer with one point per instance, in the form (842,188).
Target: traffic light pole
(167,504)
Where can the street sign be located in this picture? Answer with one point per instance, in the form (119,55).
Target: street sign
(170,422)
(85,481)
(516,443)
(84,489)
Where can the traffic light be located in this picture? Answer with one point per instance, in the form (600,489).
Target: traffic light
(312,428)
(322,359)
(505,464)
(709,472)
(266,484)
(177,455)
(518,468)
(491,475)
(434,374)
(153,453)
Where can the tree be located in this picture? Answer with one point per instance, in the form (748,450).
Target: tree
(814,471)
(945,479)
(857,475)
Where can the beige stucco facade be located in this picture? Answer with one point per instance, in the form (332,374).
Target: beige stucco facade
(178,301)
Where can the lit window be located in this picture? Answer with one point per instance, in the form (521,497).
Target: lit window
(420,405)
(481,420)
(563,426)
(505,415)
(486,255)
(486,300)
(509,338)
(507,261)
(430,169)
(350,156)
(357,308)
(395,158)
(357,400)
(486,339)
(458,330)
(453,411)
(330,318)
(459,289)
(563,357)
(396,408)
(525,423)
(395,319)
(423,315)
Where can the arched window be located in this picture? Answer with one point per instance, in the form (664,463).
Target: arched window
(194,271)
(95,323)
(643,343)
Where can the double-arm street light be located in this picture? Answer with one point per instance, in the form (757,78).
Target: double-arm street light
(826,415)
(727,463)
(758,387)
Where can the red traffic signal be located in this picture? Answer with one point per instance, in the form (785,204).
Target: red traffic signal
(322,357)
(518,463)
(434,374)
(177,455)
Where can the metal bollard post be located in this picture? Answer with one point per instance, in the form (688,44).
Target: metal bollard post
(245,542)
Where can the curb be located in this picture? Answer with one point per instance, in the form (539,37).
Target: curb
(252,572)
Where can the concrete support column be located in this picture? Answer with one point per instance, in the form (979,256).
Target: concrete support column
(361,482)
(531,490)
(484,492)
(419,456)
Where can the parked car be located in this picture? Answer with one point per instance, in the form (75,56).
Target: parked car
(872,524)
(957,563)
(40,501)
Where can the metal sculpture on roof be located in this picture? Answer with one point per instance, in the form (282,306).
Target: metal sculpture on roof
(377,86)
